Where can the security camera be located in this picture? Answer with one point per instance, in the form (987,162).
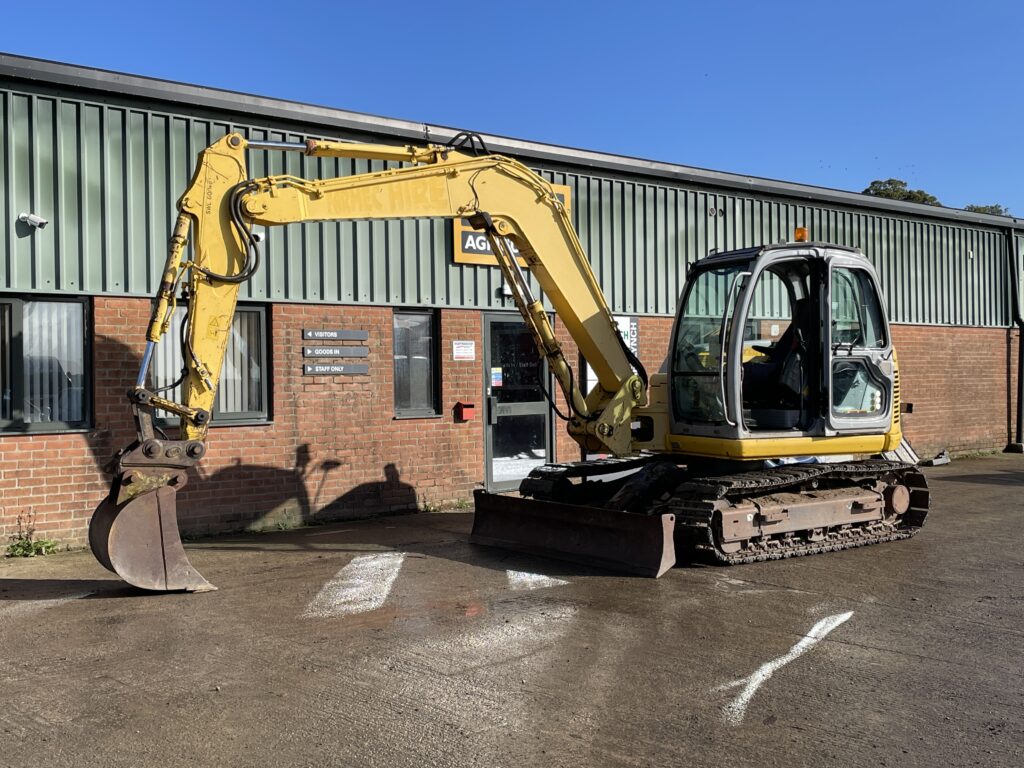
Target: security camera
(33,221)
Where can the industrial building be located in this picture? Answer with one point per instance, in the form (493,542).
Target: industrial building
(437,390)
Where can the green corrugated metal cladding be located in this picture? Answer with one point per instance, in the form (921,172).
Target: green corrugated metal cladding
(107,176)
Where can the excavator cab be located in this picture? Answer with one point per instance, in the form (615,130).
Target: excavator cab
(780,355)
(783,343)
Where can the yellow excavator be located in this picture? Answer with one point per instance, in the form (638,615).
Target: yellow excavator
(769,431)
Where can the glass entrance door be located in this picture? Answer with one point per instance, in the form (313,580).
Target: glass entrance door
(517,429)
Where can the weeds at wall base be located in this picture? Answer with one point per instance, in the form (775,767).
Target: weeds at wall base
(23,542)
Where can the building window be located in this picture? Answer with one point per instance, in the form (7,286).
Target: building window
(44,356)
(242,395)
(416,364)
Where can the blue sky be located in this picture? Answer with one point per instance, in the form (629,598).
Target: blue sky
(834,94)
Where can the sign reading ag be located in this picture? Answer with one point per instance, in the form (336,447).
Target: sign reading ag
(472,246)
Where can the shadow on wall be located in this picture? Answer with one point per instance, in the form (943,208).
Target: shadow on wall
(389,495)
(274,498)
(239,496)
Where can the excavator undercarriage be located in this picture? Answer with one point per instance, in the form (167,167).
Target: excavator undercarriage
(667,512)
(800,509)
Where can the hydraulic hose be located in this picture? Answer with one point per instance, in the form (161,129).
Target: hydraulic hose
(252,248)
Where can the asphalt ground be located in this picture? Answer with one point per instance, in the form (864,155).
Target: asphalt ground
(393,642)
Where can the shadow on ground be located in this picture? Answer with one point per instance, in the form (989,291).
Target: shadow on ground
(64,589)
(1003,477)
(442,535)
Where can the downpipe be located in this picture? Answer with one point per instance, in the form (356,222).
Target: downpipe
(1017,446)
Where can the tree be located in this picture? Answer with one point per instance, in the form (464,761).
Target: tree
(896,189)
(995,209)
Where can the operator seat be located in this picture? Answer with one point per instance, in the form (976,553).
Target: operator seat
(775,378)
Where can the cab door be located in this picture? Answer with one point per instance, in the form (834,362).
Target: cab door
(860,366)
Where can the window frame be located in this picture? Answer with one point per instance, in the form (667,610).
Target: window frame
(238,418)
(736,269)
(856,280)
(434,411)
(17,425)
(872,360)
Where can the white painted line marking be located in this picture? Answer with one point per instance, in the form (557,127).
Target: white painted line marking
(734,711)
(519,580)
(10,609)
(361,586)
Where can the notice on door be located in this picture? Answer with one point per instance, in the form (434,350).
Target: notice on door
(495,377)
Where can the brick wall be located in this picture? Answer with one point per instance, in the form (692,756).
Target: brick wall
(962,382)
(566,449)
(335,450)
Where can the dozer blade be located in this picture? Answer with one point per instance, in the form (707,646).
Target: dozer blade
(604,538)
(139,541)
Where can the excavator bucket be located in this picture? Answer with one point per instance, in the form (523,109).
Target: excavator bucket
(138,540)
(603,538)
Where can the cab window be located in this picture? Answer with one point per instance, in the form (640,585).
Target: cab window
(698,362)
(857,323)
(856,313)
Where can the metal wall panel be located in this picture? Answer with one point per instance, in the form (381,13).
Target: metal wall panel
(641,237)
(107,175)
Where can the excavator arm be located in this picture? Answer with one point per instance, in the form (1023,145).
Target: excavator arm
(134,531)
(512,204)
(505,198)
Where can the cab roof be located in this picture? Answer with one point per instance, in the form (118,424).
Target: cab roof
(750,253)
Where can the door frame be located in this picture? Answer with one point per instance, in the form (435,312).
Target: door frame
(485,358)
(878,361)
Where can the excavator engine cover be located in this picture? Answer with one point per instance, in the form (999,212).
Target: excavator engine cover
(138,539)
(604,538)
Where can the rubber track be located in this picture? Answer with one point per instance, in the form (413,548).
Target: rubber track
(788,476)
